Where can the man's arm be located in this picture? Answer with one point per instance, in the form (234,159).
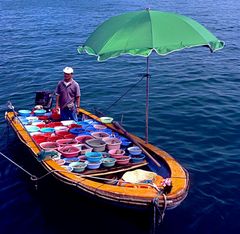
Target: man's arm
(78,101)
(57,101)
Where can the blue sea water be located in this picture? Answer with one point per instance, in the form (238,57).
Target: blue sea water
(194,113)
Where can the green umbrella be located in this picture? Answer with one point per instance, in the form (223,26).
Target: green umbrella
(141,32)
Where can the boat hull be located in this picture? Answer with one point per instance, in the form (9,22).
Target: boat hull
(135,196)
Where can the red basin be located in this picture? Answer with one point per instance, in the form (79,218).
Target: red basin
(69,151)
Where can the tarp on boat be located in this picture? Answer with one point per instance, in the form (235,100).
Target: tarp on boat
(139,176)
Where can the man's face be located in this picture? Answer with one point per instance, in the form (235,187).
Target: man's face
(67,77)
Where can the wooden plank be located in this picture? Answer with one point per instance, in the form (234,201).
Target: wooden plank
(114,170)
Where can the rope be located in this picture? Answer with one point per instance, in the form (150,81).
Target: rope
(126,92)
(17,165)
(164,207)
(158,213)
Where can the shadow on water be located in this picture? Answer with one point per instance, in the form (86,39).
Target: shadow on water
(58,208)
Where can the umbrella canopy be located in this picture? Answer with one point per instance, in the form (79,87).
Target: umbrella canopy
(141,32)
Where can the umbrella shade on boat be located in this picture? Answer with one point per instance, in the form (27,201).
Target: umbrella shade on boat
(141,32)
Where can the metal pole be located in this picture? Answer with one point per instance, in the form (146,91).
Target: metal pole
(147,101)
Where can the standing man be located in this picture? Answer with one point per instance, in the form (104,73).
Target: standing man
(68,96)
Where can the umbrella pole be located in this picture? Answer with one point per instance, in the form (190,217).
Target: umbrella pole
(147,101)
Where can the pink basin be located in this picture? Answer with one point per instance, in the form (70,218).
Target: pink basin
(68,141)
(69,151)
(123,160)
(116,153)
(49,145)
(113,143)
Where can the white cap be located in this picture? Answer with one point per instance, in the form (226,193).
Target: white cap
(68,70)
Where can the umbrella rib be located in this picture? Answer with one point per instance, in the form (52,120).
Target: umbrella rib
(151,31)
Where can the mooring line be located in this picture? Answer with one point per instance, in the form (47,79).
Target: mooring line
(16,164)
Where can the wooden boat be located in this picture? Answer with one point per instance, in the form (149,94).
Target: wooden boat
(107,183)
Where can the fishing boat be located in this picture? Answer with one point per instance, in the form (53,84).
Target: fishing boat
(99,157)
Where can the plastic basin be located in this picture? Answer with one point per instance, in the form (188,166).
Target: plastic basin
(77,131)
(39,112)
(40,125)
(69,141)
(69,151)
(24,121)
(60,161)
(54,138)
(39,138)
(47,130)
(137,158)
(74,126)
(69,136)
(49,145)
(62,133)
(32,118)
(93,165)
(31,128)
(99,126)
(54,124)
(61,128)
(123,160)
(113,143)
(85,148)
(24,112)
(68,122)
(83,124)
(135,150)
(97,144)
(93,156)
(71,160)
(78,166)
(99,135)
(83,138)
(116,153)
(108,162)
(106,120)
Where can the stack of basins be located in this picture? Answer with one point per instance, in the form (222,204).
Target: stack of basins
(79,145)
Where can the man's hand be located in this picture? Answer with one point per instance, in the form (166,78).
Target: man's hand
(57,108)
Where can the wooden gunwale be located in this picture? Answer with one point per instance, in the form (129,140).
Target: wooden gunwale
(135,196)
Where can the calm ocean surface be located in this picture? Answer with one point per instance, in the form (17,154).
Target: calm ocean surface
(194,113)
